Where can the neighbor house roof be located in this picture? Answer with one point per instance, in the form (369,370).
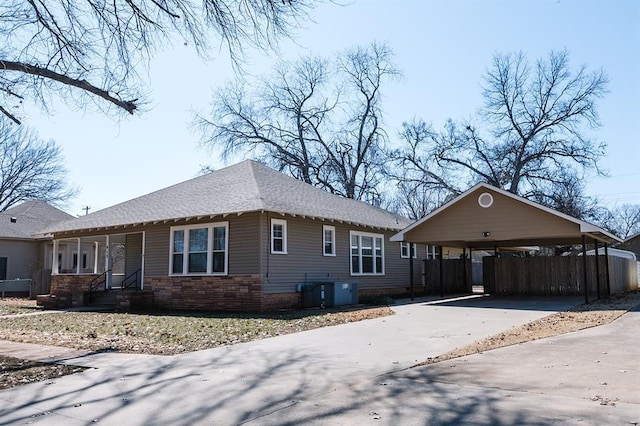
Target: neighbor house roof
(510,221)
(244,187)
(26,219)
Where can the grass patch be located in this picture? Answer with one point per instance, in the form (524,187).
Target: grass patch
(17,306)
(168,333)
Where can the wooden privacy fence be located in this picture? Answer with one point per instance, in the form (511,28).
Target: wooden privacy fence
(559,275)
(41,282)
(543,275)
(453,276)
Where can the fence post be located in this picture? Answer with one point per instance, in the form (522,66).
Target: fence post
(584,268)
(441,273)
(606,258)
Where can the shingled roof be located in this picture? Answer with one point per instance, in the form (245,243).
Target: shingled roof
(28,218)
(247,186)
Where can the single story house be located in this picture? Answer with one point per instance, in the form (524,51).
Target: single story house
(243,238)
(23,256)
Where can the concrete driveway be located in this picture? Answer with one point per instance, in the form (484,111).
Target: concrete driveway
(333,375)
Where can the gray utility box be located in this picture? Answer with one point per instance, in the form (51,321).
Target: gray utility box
(327,294)
(345,293)
(317,294)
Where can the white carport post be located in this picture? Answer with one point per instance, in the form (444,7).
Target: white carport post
(96,249)
(78,257)
(144,242)
(54,260)
(107,263)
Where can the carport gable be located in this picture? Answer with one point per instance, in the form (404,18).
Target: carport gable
(487,217)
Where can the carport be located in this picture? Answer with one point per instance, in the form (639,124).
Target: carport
(491,219)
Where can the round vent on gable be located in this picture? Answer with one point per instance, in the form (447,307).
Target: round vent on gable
(485,200)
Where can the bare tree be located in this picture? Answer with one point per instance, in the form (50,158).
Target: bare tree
(567,195)
(624,220)
(421,184)
(533,138)
(96,47)
(318,120)
(30,168)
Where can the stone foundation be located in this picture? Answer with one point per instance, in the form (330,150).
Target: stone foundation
(240,293)
(393,292)
(134,300)
(274,302)
(66,291)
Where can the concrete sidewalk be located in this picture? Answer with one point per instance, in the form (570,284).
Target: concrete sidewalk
(271,380)
(590,377)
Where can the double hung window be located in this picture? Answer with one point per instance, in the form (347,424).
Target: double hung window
(199,249)
(367,253)
(328,240)
(404,250)
(278,236)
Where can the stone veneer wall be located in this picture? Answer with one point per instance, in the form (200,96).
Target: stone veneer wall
(274,302)
(395,292)
(66,291)
(238,293)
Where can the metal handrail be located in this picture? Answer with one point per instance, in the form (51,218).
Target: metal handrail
(95,283)
(133,283)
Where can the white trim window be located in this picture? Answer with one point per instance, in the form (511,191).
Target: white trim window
(367,253)
(404,250)
(201,249)
(328,240)
(278,236)
(433,252)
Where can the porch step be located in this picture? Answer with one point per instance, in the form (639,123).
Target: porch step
(105,298)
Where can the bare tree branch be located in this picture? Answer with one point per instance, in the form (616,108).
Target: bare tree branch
(107,43)
(319,121)
(30,168)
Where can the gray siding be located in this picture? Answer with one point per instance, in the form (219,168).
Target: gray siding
(133,253)
(156,250)
(243,245)
(304,261)
(21,256)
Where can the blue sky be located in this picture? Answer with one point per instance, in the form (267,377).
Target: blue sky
(442,47)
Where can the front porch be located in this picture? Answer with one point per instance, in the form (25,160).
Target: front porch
(86,269)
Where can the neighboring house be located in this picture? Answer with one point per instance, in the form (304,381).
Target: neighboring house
(22,255)
(242,238)
(631,244)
